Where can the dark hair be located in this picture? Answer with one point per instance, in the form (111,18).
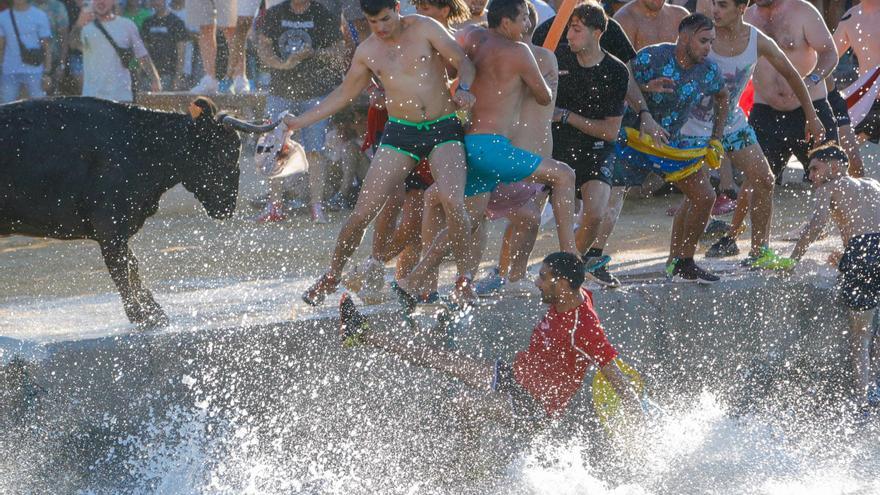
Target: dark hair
(499,9)
(695,22)
(458,9)
(829,152)
(533,18)
(373,7)
(741,2)
(591,15)
(567,266)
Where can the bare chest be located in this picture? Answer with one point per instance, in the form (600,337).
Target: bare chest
(787,34)
(402,60)
(661,29)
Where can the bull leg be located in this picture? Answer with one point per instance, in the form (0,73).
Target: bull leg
(154,314)
(118,259)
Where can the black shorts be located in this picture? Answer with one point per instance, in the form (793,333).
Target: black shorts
(859,281)
(417,140)
(781,134)
(588,164)
(525,407)
(838,105)
(871,125)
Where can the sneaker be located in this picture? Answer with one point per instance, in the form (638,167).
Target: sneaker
(685,270)
(206,86)
(352,323)
(406,300)
(240,86)
(716,227)
(723,205)
(593,263)
(318,215)
(463,293)
(723,248)
(603,277)
(490,284)
(767,259)
(318,291)
(271,213)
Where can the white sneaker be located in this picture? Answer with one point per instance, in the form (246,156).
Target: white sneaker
(207,86)
(240,86)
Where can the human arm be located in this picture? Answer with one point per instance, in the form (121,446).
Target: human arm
(150,69)
(454,56)
(356,80)
(819,39)
(721,107)
(605,129)
(85,17)
(768,49)
(531,74)
(817,223)
(636,100)
(46,45)
(628,398)
(267,53)
(841,35)
(179,64)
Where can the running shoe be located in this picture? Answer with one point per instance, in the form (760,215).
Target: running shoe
(490,284)
(686,270)
(406,300)
(318,291)
(463,293)
(767,259)
(724,247)
(240,86)
(271,213)
(716,227)
(604,278)
(593,263)
(352,323)
(206,86)
(724,204)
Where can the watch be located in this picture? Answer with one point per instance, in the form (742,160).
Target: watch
(464,87)
(814,78)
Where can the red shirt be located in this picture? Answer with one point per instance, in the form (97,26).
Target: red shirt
(562,348)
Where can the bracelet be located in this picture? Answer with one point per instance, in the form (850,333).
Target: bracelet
(564,118)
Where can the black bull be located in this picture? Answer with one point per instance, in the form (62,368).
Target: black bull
(84,168)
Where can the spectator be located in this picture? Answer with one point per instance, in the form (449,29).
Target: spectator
(165,36)
(17,70)
(208,14)
(59,23)
(237,68)
(135,11)
(190,57)
(301,43)
(105,74)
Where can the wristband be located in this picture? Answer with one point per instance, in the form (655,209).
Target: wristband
(564,118)
(464,87)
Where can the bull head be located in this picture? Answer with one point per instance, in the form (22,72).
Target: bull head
(213,177)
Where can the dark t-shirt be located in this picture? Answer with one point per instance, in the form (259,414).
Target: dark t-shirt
(161,36)
(613,40)
(315,28)
(593,92)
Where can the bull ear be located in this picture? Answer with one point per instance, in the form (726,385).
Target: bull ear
(202,108)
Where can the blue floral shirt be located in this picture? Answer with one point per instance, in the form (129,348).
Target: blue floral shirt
(671,110)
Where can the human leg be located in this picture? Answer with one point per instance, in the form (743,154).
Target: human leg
(560,178)
(408,238)
(690,220)
(595,195)
(862,336)
(389,169)
(759,190)
(524,225)
(449,168)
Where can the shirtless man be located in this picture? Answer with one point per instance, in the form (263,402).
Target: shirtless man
(854,205)
(506,71)
(408,55)
(736,50)
(648,22)
(478,14)
(777,116)
(859,29)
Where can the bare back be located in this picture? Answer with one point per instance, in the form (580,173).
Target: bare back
(855,206)
(498,86)
(411,71)
(533,131)
(644,30)
(799,30)
(860,30)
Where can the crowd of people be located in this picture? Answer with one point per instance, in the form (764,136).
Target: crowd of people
(468,114)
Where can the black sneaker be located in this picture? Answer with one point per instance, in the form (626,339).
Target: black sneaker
(603,277)
(685,270)
(352,323)
(723,248)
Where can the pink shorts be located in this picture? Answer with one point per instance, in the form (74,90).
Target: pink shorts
(509,197)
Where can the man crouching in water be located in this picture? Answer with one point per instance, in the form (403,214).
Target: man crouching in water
(543,378)
(854,205)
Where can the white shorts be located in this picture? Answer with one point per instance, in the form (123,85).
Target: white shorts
(206,12)
(248,8)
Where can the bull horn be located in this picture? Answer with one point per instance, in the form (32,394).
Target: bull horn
(248,127)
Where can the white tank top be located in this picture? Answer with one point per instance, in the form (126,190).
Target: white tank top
(736,71)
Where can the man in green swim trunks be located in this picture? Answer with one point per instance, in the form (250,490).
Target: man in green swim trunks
(506,73)
(408,55)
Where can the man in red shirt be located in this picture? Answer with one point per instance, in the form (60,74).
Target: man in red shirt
(543,378)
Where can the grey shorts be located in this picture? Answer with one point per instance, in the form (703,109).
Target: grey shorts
(206,12)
